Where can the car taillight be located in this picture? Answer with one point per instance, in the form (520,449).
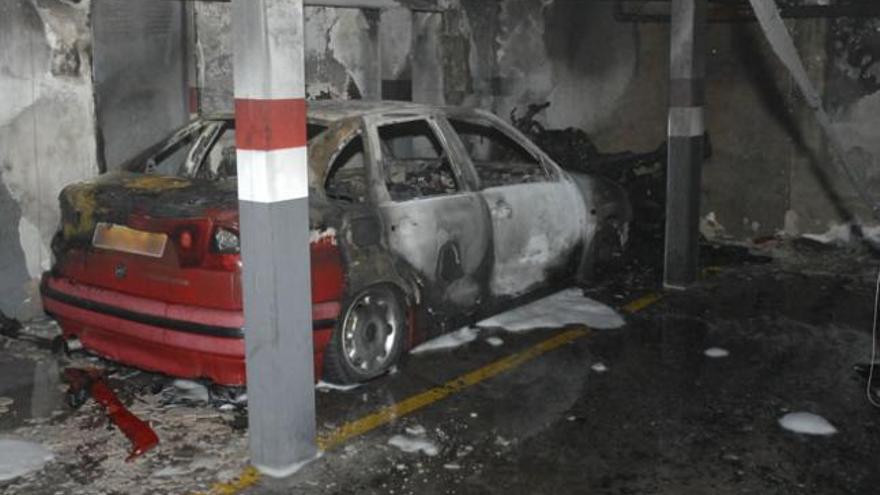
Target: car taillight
(225,241)
(187,240)
(223,254)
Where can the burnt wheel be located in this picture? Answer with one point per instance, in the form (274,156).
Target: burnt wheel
(368,340)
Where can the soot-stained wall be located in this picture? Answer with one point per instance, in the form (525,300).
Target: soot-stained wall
(853,100)
(49,127)
(139,74)
(342,53)
(600,74)
(47,134)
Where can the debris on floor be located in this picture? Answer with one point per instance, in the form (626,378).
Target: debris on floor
(326,386)
(807,423)
(9,326)
(90,383)
(20,457)
(187,392)
(415,440)
(789,332)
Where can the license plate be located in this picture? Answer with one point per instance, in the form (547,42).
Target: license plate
(128,240)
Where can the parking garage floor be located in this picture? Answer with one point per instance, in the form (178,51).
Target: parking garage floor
(640,409)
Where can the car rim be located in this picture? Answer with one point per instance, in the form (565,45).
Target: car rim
(370,330)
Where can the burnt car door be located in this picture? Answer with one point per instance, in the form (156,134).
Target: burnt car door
(538,215)
(433,217)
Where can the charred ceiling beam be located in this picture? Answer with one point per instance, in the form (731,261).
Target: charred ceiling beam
(741,10)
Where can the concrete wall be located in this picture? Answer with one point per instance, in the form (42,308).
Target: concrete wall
(47,134)
(852,89)
(50,128)
(140,81)
(770,171)
(343,57)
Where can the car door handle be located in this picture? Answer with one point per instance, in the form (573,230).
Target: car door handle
(501,209)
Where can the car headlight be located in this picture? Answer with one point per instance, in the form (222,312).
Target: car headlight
(226,241)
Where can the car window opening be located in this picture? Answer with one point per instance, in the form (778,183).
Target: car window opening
(314,130)
(415,162)
(498,159)
(220,161)
(170,159)
(346,180)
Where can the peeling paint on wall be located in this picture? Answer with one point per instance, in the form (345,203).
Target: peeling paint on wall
(47,134)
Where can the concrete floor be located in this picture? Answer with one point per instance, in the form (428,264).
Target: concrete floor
(663,418)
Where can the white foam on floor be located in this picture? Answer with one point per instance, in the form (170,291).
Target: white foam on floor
(716,352)
(495,341)
(599,368)
(807,423)
(20,457)
(411,444)
(836,234)
(450,340)
(416,430)
(567,307)
(325,386)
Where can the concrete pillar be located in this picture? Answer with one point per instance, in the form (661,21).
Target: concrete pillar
(687,98)
(270,114)
(191,60)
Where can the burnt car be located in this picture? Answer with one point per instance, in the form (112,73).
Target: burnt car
(423,219)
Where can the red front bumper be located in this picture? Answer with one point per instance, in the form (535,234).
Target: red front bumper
(179,340)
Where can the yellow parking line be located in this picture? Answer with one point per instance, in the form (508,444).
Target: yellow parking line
(642,302)
(416,402)
(329,440)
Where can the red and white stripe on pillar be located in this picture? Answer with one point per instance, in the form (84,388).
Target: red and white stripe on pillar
(270,107)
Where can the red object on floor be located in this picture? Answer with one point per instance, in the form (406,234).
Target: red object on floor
(142,437)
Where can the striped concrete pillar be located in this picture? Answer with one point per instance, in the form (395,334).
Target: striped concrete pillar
(192,60)
(270,116)
(687,98)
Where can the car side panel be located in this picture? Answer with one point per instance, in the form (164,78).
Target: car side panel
(446,239)
(537,228)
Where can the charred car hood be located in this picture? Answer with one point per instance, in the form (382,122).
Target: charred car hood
(115,196)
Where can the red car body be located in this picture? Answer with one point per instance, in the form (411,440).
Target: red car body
(199,334)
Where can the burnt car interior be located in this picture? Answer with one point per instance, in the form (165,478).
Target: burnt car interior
(384,247)
(414,162)
(497,159)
